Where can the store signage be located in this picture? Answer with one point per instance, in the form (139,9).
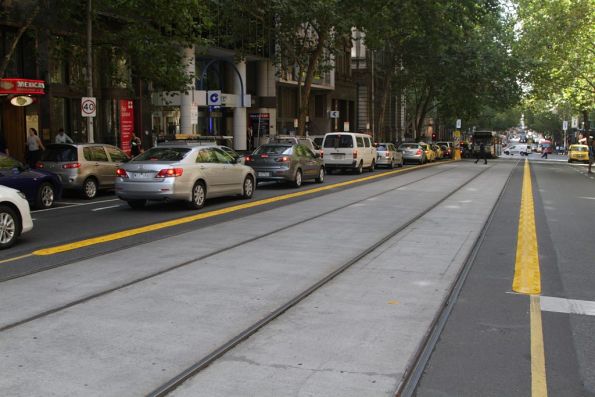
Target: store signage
(126,123)
(214,98)
(261,123)
(21,100)
(22,87)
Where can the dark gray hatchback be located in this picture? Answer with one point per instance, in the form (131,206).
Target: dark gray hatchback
(286,162)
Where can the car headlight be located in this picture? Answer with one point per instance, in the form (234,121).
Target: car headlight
(22,195)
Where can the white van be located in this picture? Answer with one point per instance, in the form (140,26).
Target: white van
(348,150)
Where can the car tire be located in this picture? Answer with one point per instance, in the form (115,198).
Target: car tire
(392,164)
(45,196)
(320,178)
(372,166)
(10,226)
(137,204)
(90,187)
(297,181)
(248,187)
(360,168)
(199,196)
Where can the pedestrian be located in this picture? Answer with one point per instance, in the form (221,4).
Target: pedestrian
(544,151)
(135,145)
(34,148)
(62,137)
(3,148)
(481,154)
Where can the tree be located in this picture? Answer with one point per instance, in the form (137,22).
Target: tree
(27,12)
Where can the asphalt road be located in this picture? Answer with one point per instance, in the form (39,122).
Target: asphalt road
(485,347)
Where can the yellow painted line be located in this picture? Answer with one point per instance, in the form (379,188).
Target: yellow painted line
(527,278)
(538,376)
(16,258)
(180,221)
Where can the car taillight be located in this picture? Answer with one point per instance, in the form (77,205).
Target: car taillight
(322,154)
(387,155)
(169,172)
(354,153)
(39,164)
(283,159)
(121,172)
(247,159)
(71,165)
(418,152)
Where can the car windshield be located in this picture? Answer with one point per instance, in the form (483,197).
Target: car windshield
(579,148)
(273,149)
(59,153)
(338,141)
(8,163)
(409,146)
(163,154)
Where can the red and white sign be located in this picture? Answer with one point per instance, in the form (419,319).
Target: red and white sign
(126,123)
(88,106)
(22,87)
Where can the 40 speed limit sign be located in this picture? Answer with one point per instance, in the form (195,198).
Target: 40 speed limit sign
(88,106)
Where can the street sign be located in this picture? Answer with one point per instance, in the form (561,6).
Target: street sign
(334,114)
(458,123)
(88,106)
(457,134)
(214,97)
(574,121)
(565,125)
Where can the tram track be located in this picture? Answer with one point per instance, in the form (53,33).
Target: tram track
(197,258)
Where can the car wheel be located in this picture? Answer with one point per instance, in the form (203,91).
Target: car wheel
(199,195)
(360,168)
(45,196)
(372,166)
(248,188)
(297,182)
(320,178)
(90,187)
(10,226)
(137,204)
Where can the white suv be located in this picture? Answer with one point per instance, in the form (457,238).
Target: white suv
(15,217)
(348,150)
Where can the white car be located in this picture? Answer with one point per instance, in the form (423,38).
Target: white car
(348,150)
(520,148)
(15,217)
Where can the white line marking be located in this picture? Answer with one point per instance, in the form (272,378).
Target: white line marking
(70,205)
(588,198)
(569,306)
(105,208)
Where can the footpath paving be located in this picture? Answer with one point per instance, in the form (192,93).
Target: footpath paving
(356,336)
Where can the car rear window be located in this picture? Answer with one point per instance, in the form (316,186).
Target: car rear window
(338,141)
(381,148)
(163,154)
(59,153)
(409,146)
(276,149)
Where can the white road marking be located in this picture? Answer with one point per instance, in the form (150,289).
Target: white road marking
(70,205)
(105,208)
(587,198)
(569,306)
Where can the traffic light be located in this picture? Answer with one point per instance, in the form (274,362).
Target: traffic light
(434,137)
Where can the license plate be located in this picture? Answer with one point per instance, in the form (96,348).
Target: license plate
(142,175)
(264,174)
(337,155)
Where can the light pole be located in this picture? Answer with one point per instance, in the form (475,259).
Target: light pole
(89,67)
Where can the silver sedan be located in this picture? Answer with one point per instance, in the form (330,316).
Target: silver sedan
(183,172)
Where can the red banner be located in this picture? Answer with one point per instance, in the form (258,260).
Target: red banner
(126,123)
(22,87)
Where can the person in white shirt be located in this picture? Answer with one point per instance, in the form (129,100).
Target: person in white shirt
(62,137)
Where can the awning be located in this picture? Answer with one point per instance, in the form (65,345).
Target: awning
(22,87)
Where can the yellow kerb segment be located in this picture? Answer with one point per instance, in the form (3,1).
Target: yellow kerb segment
(538,375)
(527,278)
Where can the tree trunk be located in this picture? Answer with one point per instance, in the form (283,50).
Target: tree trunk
(17,38)
(382,112)
(423,111)
(312,64)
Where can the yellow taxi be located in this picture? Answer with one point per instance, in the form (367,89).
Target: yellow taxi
(438,151)
(430,154)
(578,153)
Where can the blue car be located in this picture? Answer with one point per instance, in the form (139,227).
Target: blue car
(40,187)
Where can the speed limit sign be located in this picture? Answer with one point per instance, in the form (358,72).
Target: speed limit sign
(88,107)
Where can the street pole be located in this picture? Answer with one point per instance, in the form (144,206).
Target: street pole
(89,68)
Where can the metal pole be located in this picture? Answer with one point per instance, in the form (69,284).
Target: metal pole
(89,68)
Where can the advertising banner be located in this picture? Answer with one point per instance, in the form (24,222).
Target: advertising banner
(126,123)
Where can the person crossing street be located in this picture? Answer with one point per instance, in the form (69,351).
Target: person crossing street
(481,154)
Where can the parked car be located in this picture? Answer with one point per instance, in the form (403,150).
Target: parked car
(295,140)
(85,167)
(447,149)
(430,154)
(286,162)
(348,150)
(42,188)
(521,149)
(187,173)
(438,151)
(413,152)
(15,217)
(578,153)
(386,154)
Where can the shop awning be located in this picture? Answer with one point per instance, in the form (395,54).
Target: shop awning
(22,87)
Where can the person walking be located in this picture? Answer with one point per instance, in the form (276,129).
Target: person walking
(481,154)
(34,148)
(135,145)
(62,137)
(544,152)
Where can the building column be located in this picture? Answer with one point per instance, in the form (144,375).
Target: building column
(267,88)
(186,126)
(239,113)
